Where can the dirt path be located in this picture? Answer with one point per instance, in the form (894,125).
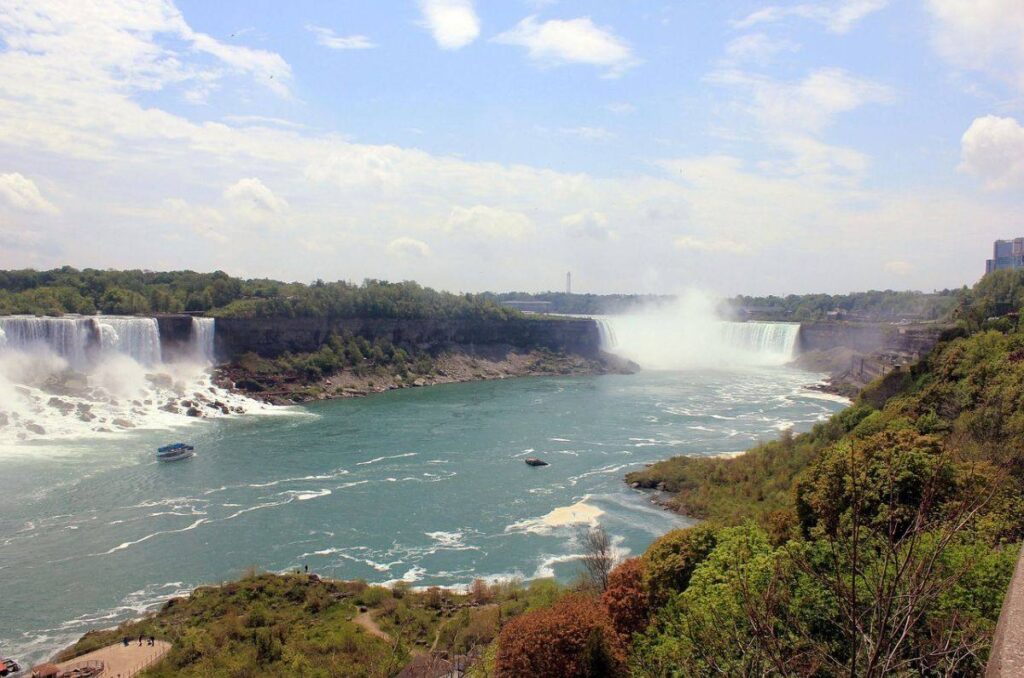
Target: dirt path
(119,660)
(367,622)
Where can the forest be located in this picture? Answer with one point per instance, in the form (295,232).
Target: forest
(68,290)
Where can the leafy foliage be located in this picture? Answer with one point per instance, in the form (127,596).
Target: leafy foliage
(573,638)
(68,290)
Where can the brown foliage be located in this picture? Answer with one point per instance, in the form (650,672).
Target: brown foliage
(574,638)
(626,598)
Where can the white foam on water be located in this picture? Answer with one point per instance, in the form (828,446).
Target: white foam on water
(379,459)
(580,513)
(80,377)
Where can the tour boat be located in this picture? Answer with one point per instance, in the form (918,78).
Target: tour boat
(175,452)
(8,666)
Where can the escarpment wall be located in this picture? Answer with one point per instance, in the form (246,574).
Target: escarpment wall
(868,337)
(271,337)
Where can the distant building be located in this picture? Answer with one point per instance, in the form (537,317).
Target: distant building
(1006,254)
(529,306)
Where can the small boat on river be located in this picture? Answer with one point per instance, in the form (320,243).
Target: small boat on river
(175,452)
(534,461)
(8,666)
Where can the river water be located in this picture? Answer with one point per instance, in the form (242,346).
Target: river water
(422,485)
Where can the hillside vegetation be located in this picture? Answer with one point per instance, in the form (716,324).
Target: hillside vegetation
(880,543)
(68,290)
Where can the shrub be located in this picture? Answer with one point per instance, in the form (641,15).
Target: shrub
(572,639)
(626,598)
(670,561)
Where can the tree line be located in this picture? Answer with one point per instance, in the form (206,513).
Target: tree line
(136,292)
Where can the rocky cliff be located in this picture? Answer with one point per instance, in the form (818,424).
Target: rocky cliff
(271,337)
(868,337)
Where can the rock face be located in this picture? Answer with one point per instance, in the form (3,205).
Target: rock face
(868,337)
(270,337)
(175,334)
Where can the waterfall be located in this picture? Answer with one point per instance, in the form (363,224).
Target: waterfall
(203,332)
(68,337)
(689,334)
(606,330)
(118,377)
(772,342)
(137,338)
(82,340)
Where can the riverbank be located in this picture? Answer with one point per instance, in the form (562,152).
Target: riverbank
(270,382)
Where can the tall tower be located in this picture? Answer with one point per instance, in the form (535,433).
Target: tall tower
(568,282)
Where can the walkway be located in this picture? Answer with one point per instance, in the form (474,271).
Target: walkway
(1007,658)
(370,624)
(122,662)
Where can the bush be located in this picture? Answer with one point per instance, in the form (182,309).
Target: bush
(626,598)
(670,561)
(572,639)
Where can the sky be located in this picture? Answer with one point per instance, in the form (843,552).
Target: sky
(737,146)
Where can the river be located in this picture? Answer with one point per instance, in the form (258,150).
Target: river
(423,485)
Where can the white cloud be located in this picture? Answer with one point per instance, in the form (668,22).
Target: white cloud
(620,108)
(899,267)
(577,41)
(453,23)
(805,106)
(409,247)
(589,224)
(112,42)
(22,193)
(141,186)
(326,37)
(982,35)
(992,149)
(838,16)
(689,242)
(588,133)
(757,48)
(251,199)
(490,222)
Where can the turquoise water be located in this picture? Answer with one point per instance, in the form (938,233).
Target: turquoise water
(422,485)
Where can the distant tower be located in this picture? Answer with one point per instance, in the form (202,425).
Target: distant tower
(568,282)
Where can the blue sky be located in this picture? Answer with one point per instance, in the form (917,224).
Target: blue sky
(738,147)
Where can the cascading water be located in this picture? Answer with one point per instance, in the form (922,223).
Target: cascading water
(67,337)
(137,338)
(607,331)
(203,333)
(82,375)
(689,335)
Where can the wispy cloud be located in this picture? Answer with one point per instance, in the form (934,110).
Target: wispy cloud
(453,23)
(837,17)
(689,242)
(620,108)
(982,37)
(803,106)
(572,41)
(588,133)
(757,47)
(408,247)
(327,38)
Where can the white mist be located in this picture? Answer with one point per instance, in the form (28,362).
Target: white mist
(689,334)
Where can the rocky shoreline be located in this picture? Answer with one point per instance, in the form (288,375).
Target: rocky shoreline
(454,366)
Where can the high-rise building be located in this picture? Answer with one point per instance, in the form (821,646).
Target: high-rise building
(1006,254)
(568,282)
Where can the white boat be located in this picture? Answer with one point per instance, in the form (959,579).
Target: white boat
(175,452)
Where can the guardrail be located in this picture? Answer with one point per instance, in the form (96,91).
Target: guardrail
(1007,657)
